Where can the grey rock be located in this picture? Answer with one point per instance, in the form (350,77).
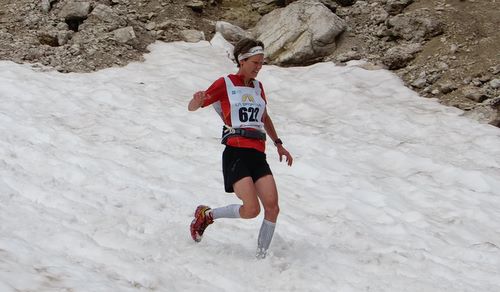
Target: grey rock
(495,69)
(151,25)
(45,6)
(398,57)
(474,93)
(348,56)
(419,82)
(484,78)
(435,76)
(196,5)
(72,10)
(447,87)
(64,36)
(192,36)
(62,26)
(379,16)
(442,66)
(495,102)
(483,113)
(453,48)
(476,82)
(495,83)
(33,54)
(124,35)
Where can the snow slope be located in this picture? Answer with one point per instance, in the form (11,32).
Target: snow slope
(100,174)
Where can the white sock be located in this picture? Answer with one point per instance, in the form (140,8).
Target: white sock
(229,211)
(265,236)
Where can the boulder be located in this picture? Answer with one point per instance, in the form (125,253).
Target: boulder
(230,32)
(124,35)
(299,33)
(75,10)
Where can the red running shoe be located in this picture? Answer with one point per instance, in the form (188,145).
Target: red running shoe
(202,218)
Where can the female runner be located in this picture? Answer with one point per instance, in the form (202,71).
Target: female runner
(240,101)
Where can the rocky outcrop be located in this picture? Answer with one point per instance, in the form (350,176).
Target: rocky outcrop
(82,36)
(444,51)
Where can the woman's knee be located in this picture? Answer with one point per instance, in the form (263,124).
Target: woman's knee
(272,209)
(250,211)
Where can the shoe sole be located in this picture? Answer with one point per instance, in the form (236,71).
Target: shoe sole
(194,234)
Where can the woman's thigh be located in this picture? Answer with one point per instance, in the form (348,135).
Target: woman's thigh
(246,191)
(267,191)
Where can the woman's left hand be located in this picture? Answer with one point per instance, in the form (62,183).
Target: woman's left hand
(283,152)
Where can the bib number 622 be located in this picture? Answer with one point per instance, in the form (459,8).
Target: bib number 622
(248,114)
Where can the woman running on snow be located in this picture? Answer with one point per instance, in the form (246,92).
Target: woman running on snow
(240,101)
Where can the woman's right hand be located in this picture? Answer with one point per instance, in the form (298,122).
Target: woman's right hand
(197,100)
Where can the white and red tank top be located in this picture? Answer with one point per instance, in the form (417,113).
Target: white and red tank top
(239,106)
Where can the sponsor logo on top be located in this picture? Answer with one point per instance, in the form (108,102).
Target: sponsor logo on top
(247,97)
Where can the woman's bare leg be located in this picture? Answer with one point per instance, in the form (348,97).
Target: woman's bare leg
(246,191)
(268,195)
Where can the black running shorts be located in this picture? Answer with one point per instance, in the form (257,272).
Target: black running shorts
(238,163)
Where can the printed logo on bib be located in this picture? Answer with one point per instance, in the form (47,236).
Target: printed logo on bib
(247,97)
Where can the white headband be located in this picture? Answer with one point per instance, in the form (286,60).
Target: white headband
(252,52)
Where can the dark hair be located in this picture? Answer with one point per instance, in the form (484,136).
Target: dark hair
(243,46)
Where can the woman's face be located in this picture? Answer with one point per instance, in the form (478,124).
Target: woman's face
(251,66)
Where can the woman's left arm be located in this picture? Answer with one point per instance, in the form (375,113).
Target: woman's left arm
(271,132)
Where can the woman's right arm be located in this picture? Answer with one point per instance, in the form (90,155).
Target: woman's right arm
(197,101)
(211,95)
